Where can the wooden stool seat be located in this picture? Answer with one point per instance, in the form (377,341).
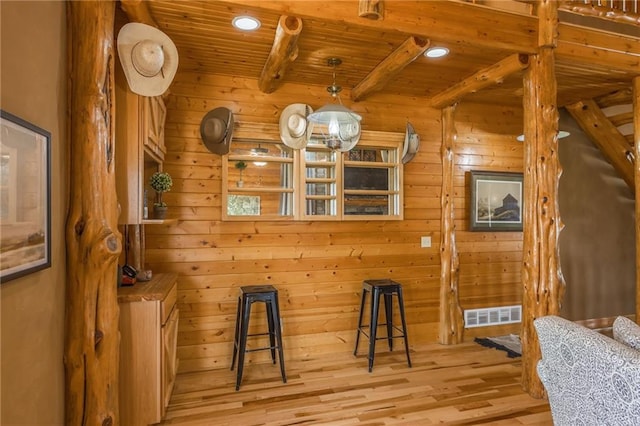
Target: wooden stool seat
(388,289)
(249,295)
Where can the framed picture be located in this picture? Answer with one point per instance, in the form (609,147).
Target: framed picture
(25,197)
(496,201)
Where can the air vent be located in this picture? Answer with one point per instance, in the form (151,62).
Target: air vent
(492,316)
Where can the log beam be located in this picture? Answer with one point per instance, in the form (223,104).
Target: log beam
(283,52)
(138,11)
(371,9)
(606,136)
(636,138)
(542,280)
(451,319)
(495,74)
(390,67)
(93,242)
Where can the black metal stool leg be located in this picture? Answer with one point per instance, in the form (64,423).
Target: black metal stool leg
(272,337)
(373,325)
(404,325)
(278,331)
(358,331)
(388,312)
(244,331)
(237,334)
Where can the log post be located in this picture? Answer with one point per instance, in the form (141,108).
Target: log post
(543,283)
(93,242)
(283,51)
(636,144)
(138,11)
(390,67)
(371,9)
(451,320)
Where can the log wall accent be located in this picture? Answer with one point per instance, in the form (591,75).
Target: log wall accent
(636,144)
(371,9)
(92,338)
(605,136)
(283,52)
(319,267)
(451,322)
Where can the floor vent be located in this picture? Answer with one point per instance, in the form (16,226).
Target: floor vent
(492,316)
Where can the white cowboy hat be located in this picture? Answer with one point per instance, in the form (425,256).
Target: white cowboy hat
(216,130)
(293,125)
(148,57)
(411,144)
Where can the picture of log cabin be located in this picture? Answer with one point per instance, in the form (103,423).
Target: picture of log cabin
(173,348)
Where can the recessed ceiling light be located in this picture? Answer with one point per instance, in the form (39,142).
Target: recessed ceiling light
(436,52)
(246,23)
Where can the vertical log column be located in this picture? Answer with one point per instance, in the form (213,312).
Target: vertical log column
(93,242)
(451,321)
(541,274)
(636,144)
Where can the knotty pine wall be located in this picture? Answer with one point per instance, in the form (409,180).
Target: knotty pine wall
(318,267)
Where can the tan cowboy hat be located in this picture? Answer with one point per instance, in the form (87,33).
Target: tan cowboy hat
(216,130)
(411,144)
(149,58)
(293,125)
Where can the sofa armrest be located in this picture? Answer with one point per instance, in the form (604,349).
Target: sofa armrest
(627,332)
(590,378)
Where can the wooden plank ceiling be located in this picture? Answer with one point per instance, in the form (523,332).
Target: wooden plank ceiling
(477,36)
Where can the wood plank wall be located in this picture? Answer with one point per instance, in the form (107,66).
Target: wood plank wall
(318,267)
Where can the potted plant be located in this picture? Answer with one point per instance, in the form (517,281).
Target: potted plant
(240,165)
(160,182)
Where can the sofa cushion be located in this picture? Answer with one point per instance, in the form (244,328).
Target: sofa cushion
(627,332)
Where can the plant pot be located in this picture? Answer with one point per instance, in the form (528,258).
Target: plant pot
(159,212)
(239,184)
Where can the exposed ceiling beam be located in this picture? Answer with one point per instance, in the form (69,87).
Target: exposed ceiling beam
(618,97)
(605,136)
(494,74)
(371,9)
(456,22)
(283,52)
(138,11)
(390,67)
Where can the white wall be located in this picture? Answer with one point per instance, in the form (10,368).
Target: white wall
(33,87)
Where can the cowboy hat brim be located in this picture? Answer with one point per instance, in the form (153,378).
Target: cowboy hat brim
(216,130)
(285,135)
(130,35)
(411,144)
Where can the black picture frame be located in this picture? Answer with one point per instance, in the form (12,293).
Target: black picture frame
(25,197)
(495,202)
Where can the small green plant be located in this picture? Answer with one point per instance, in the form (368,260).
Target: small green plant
(160,182)
(241,165)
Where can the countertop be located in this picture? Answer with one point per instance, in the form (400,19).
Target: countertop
(156,289)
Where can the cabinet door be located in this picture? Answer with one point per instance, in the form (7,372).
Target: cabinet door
(169,360)
(154,117)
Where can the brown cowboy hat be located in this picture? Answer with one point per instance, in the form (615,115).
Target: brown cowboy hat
(216,130)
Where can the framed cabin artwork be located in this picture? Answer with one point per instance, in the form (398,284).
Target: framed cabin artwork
(495,201)
(25,204)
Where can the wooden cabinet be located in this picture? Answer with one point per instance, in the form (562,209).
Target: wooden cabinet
(148,343)
(140,149)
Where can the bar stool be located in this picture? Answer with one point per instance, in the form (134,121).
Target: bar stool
(388,289)
(249,295)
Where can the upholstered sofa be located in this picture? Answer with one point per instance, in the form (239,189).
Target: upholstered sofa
(590,379)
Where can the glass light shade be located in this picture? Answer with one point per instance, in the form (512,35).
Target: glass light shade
(246,23)
(338,126)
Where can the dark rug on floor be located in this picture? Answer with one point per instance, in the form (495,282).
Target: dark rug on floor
(509,343)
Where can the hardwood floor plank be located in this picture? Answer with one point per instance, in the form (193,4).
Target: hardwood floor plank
(465,384)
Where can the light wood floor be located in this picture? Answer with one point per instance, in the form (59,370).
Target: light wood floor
(465,384)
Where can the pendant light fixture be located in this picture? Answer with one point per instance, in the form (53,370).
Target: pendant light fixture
(337,126)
